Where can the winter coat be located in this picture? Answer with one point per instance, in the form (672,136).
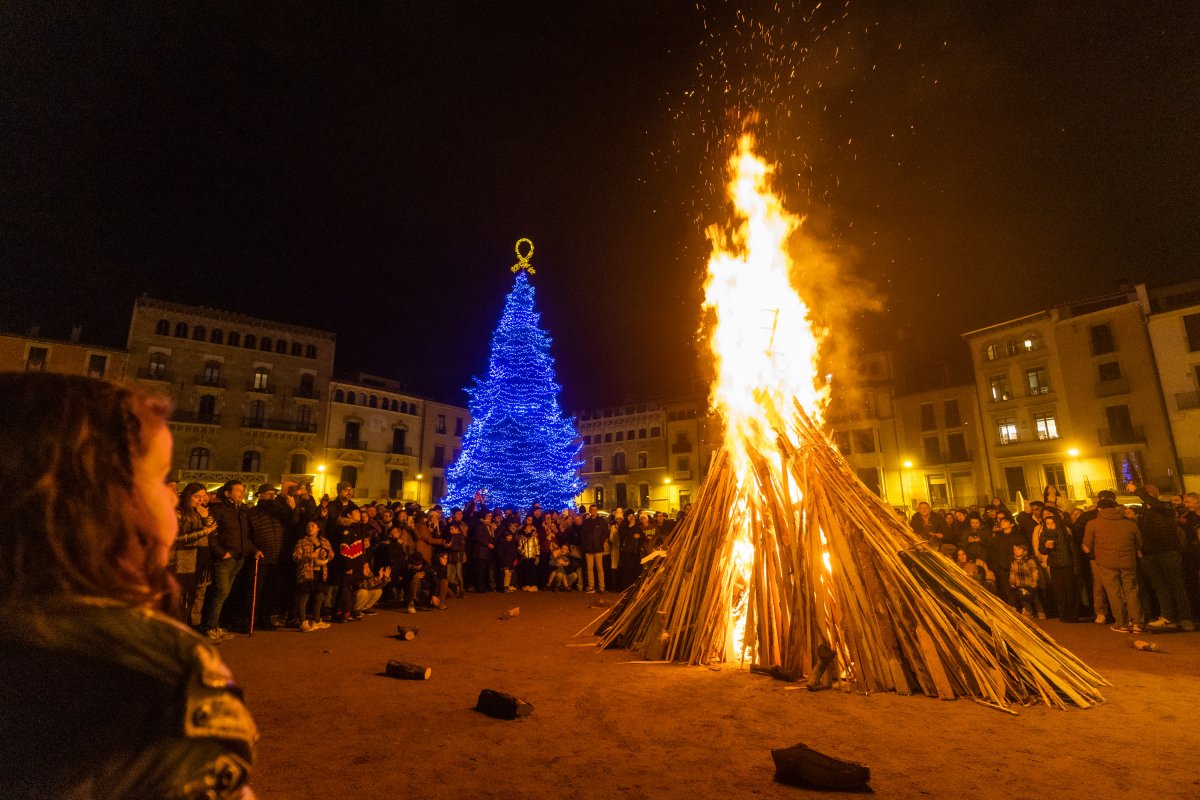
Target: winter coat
(234,531)
(1160,531)
(350,544)
(191,552)
(1113,540)
(312,559)
(507,550)
(975,550)
(1024,572)
(528,544)
(269,523)
(427,539)
(1063,554)
(482,535)
(1000,553)
(593,534)
(936,524)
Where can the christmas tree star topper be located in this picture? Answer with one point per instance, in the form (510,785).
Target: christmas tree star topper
(523,260)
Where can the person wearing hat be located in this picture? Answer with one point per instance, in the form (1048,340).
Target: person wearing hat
(270,520)
(231,545)
(339,507)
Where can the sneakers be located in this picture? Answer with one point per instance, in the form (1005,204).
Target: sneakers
(218,635)
(319,624)
(412,609)
(1162,624)
(1041,615)
(307,626)
(1137,628)
(1101,619)
(1187,625)
(589,591)
(1115,628)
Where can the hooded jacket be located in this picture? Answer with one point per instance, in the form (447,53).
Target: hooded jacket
(1113,539)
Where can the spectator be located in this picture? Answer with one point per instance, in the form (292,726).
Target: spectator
(999,557)
(974,539)
(1188,514)
(483,544)
(1065,563)
(311,557)
(633,548)
(976,569)
(370,589)
(1025,577)
(231,545)
(1162,559)
(530,550)
(593,535)
(270,519)
(100,683)
(508,552)
(612,560)
(1090,577)
(931,526)
(456,547)
(192,560)
(350,551)
(1115,542)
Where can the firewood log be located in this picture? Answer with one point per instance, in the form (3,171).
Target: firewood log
(502,706)
(800,765)
(406,633)
(407,672)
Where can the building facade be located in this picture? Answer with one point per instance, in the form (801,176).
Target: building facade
(1070,397)
(1174,329)
(248,392)
(34,353)
(650,456)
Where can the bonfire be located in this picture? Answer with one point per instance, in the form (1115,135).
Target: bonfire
(788,563)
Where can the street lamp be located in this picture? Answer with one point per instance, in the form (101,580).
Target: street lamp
(903,484)
(321,474)
(419,476)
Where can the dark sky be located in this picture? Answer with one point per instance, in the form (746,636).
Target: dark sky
(366,168)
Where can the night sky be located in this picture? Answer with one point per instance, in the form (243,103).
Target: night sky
(367,168)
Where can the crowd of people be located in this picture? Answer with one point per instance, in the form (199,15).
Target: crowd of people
(1130,567)
(292,561)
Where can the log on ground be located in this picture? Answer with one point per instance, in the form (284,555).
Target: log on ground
(407,672)
(800,765)
(501,705)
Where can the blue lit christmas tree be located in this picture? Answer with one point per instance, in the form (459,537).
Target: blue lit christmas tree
(518,449)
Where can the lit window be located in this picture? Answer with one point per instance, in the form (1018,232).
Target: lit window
(1007,428)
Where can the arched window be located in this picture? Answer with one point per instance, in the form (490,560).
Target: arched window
(349,475)
(217,336)
(299,464)
(404,407)
(296,349)
(235,339)
(208,408)
(198,458)
(310,351)
(199,333)
(251,461)
(373,402)
(396,484)
(350,398)
(249,342)
(281,347)
(162,328)
(265,344)
(395,405)
(181,330)
(339,396)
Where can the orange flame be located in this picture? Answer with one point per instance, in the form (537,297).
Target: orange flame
(765,348)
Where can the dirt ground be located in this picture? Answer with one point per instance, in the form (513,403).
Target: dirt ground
(607,728)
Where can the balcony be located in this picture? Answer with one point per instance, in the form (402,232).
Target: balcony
(196,418)
(1111,387)
(681,475)
(620,469)
(1038,391)
(1000,397)
(353,444)
(263,388)
(1187,400)
(162,375)
(681,447)
(210,381)
(289,425)
(397,451)
(1134,434)
(1008,441)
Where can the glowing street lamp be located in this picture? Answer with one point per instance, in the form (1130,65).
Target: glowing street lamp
(904,485)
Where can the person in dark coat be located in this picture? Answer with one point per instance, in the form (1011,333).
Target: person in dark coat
(1162,559)
(350,554)
(999,556)
(593,534)
(508,552)
(1065,562)
(231,545)
(270,520)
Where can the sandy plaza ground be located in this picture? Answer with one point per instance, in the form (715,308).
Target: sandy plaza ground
(333,728)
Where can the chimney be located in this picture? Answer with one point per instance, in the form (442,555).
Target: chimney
(76,332)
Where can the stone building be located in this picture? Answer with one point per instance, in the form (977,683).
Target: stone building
(385,441)
(1070,396)
(645,455)
(861,421)
(248,392)
(35,353)
(941,454)
(1174,329)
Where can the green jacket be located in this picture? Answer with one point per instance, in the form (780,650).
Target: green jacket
(103,700)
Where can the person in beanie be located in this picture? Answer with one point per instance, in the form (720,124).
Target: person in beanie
(269,520)
(350,548)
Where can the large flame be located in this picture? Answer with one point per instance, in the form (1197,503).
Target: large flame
(765,346)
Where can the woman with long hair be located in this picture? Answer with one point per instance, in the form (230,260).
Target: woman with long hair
(192,559)
(104,694)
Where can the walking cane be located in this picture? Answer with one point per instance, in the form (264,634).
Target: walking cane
(254,597)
